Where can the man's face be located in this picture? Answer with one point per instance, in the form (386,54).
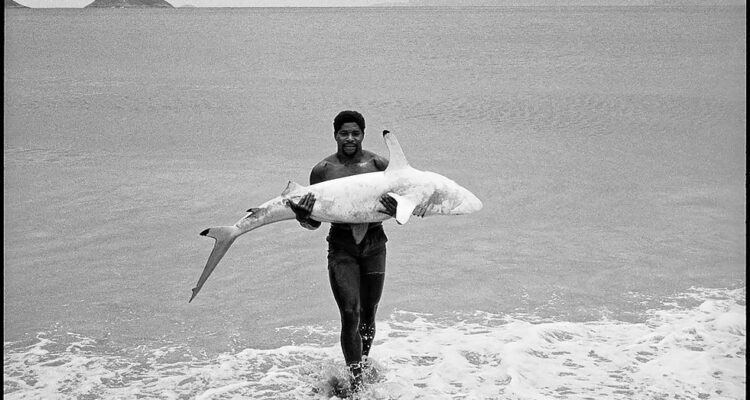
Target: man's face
(349,138)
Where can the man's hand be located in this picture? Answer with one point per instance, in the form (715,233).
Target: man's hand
(389,203)
(303,209)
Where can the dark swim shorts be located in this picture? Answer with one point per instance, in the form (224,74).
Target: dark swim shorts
(368,255)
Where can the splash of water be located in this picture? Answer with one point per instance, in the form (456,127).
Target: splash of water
(695,352)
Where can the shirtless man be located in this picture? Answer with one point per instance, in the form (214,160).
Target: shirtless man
(356,271)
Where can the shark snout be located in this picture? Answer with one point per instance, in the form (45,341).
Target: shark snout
(469,203)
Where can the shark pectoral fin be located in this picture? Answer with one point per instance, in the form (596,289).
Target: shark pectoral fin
(359,231)
(404,208)
(290,187)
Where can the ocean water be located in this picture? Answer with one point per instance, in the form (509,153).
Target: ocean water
(607,144)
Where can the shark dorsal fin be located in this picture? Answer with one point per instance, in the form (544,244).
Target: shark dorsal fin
(290,187)
(397,159)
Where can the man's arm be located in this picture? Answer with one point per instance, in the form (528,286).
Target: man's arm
(381,163)
(303,209)
(317,174)
(389,203)
(311,224)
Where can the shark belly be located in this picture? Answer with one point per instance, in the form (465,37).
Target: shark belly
(353,200)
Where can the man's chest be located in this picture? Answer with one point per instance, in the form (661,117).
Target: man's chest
(334,171)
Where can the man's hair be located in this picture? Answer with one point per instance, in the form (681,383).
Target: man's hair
(348,116)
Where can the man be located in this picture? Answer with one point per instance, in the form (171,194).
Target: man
(356,271)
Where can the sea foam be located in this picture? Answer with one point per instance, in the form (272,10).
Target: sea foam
(695,352)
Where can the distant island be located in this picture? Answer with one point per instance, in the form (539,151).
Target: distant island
(129,4)
(13,4)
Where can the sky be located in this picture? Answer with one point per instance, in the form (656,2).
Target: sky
(217,3)
(339,3)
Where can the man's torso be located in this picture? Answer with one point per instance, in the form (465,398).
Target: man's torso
(332,168)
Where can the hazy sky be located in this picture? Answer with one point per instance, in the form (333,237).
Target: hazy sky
(345,3)
(217,3)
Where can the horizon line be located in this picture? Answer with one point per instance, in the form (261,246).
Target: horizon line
(407,5)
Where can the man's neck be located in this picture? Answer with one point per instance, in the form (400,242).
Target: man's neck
(353,159)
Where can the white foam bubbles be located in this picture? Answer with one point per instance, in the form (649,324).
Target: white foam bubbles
(687,352)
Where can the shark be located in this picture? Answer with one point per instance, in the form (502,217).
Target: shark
(353,200)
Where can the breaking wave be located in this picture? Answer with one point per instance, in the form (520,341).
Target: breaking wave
(686,352)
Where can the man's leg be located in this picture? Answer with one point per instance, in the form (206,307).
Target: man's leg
(371,287)
(344,275)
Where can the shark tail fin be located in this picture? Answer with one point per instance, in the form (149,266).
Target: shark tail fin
(225,236)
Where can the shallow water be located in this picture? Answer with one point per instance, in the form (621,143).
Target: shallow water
(608,146)
(694,348)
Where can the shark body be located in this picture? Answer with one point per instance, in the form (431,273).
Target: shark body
(353,200)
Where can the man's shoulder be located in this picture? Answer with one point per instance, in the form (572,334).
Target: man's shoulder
(319,171)
(330,163)
(380,162)
(326,161)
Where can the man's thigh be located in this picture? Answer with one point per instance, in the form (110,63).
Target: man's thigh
(344,276)
(372,270)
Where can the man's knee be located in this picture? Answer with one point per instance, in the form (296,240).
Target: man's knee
(350,316)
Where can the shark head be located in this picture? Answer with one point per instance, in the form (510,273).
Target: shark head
(432,193)
(466,202)
(450,198)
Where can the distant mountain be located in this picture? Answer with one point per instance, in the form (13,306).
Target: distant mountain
(13,4)
(129,4)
